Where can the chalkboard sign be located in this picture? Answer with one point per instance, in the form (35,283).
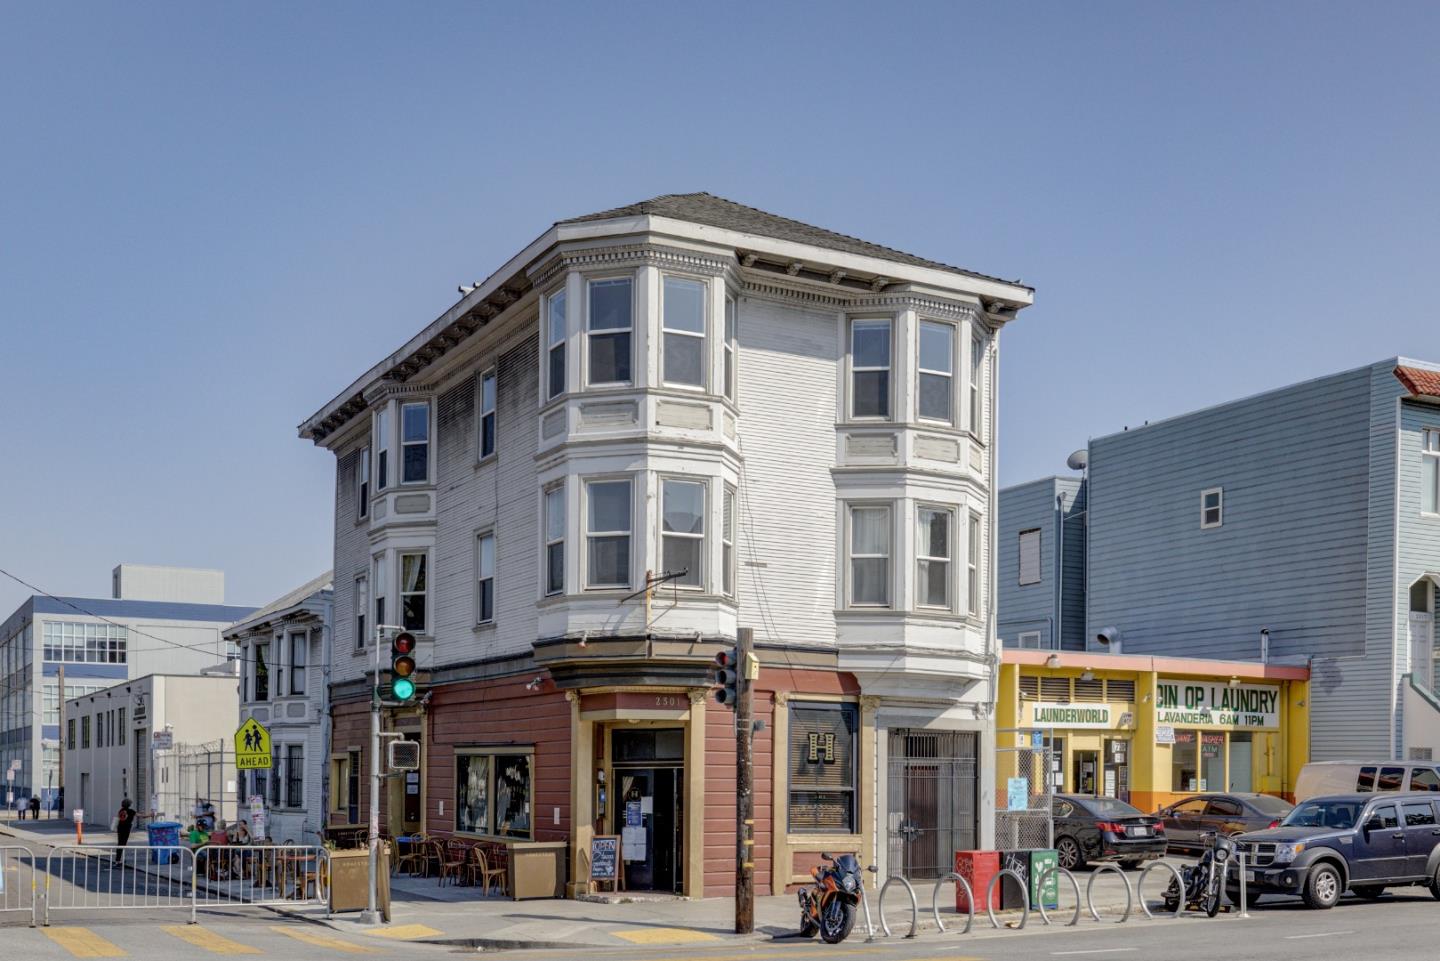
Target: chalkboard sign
(605,859)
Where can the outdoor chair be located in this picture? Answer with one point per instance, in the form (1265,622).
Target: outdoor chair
(452,861)
(413,858)
(494,867)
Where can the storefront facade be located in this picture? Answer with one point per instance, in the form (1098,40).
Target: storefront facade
(1149,730)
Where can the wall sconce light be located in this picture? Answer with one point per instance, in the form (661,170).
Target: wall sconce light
(534,683)
(1052,661)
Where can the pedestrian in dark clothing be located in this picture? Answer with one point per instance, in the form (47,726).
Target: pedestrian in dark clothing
(34,807)
(124,821)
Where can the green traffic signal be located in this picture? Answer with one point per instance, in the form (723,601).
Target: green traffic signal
(402,689)
(402,666)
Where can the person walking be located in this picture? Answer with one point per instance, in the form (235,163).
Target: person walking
(124,821)
(34,807)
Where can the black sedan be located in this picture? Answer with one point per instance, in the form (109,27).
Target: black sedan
(1224,813)
(1103,829)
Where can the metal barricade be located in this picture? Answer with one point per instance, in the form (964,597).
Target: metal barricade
(969,899)
(999,878)
(1179,882)
(17,881)
(914,906)
(1090,892)
(96,877)
(1040,886)
(254,874)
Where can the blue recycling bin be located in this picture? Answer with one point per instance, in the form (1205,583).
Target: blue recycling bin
(164,837)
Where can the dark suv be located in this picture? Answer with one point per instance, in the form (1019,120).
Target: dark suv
(1365,842)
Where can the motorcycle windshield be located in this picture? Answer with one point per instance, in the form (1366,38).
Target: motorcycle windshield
(846,863)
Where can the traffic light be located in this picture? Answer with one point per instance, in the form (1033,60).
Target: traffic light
(726,677)
(402,667)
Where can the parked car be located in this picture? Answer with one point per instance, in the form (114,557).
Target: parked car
(1366,842)
(1362,777)
(1226,814)
(1103,829)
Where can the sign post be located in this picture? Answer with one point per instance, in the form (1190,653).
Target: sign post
(745,787)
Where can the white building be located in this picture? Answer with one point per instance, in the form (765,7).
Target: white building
(285,647)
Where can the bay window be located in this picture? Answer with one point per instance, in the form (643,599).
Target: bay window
(683,319)
(731,332)
(683,531)
(608,529)
(727,537)
(937,370)
(932,573)
(415,443)
(555,540)
(870,539)
(262,673)
(299,655)
(608,330)
(870,369)
(382,448)
(362,484)
(555,346)
(977,361)
(414,585)
(972,586)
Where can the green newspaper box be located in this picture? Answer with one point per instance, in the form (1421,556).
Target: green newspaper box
(1048,894)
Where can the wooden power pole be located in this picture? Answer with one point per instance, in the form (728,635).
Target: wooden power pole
(744,786)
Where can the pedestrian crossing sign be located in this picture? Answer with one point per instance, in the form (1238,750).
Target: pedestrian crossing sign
(252,747)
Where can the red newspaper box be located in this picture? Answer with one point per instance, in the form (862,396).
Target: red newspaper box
(977,868)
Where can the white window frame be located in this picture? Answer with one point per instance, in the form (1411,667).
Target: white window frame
(401,593)
(666,332)
(590,283)
(361,603)
(297,640)
(482,576)
(380,596)
(922,371)
(553,343)
(1039,575)
(429,433)
(290,804)
(487,413)
(730,335)
(382,448)
(1430,454)
(850,556)
(948,560)
(552,498)
(1023,635)
(728,520)
(362,484)
(974,544)
(1219,508)
(588,534)
(889,324)
(977,387)
(699,577)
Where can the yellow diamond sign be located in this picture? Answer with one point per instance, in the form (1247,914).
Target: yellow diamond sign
(252,746)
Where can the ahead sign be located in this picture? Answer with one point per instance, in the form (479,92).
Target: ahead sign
(252,747)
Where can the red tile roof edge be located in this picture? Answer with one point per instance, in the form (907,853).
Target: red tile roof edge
(1425,383)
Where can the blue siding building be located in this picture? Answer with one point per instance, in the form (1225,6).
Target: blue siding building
(1044,598)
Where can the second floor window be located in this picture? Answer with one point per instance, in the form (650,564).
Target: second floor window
(1430,472)
(608,330)
(382,590)
(485,578)
(415,443)
(937,370)
(262,672)
(362,484)
(555,540)
(972,580)
(1212,507)
(607,533)
(870,556)
(362,608)
(870,368)
(414,584)
(727,536)
(487,414)
(977,367)
(85,731)
(555,347)
(299,651)
(932,550)
(683,531)
(684,322)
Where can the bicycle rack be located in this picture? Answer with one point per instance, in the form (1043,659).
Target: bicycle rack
(914,906)
(1179,886)
(969,899)
(1090,891)
(1024,901)
(1040,886)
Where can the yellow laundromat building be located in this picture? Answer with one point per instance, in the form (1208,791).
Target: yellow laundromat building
(1149,730)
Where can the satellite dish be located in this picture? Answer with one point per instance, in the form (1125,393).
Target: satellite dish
(1078,460)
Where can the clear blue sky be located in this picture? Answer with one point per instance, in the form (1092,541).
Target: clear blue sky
(214,216)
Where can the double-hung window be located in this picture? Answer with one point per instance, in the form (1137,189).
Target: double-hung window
(487,413)
(1430,471)
(683,531)
(415,443)
(731,332)
(382,448)
(607,530)
(608,329)
(977,375)
(684,322)
(262,672)
(973,545)
(362,610)
(362,484)
(932,553)
(1212,507)
(414,585)
(937,371)
(870,369)
(294,775)
(555,540)
(382,589)
(870,539)
(727,537)
(485,578)
(555,346)
(299,644)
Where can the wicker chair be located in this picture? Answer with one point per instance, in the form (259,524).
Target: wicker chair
(494,867)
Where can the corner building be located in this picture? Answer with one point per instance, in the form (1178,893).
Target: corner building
(652,426)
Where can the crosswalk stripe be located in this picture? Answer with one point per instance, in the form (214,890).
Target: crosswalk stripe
(403,931)
(207,939)
(84,943)
(320,941)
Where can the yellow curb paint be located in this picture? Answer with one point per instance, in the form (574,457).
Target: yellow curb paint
(84,943)
(403,931)
(320,940)
(664,936)
(207,939)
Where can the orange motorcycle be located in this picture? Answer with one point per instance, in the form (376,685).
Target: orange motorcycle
(827,907)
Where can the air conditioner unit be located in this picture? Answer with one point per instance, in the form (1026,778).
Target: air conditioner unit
(402,755)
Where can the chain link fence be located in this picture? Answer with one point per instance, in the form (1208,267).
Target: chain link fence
(189,776)
(1025,778)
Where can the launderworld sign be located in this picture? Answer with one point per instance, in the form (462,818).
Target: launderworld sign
(1190,703)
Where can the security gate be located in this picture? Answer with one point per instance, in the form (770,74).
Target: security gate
(934,800)
(1025,781)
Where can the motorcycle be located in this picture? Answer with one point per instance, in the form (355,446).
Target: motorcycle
(827,907)
(1205,881)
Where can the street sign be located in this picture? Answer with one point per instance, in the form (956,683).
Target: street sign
(162,740)
(252,747)
(78,815)
(10,775)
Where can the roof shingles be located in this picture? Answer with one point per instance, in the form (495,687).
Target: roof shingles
(1418,381)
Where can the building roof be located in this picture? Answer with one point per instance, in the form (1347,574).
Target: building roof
(1418,381)
(325,582)
(712,211)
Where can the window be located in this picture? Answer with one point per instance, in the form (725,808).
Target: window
(262,673)
(1418,814)
(727,539)
(822,768)
(340,785)
(932,549)
(413,587)
(120,726)
(683,531)
(608,534)
(1185,762)
(1424,779)
(1030,557)
(70,734)
(1028,640)
(608,331)
(493,792)
(1430,472)
(299,650)
(555,540)
(85,731)
(1212,507)
(870,369)
(485,578)
(382,448)
(937,371)
(555,349)
(382,589)
(362,607)
(1223,808)
(870,540)
(276,775)
(294,775)
(362,484)
(77,642)
(1365,783)
(973,565)
(683,318)
(977,375)
(1385,814)
(1193,808)
(414,443)
(731,332)
(487,414)
(1390,779)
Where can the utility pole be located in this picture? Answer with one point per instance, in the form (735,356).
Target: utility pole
(64,726)
(370,916)
(744,787)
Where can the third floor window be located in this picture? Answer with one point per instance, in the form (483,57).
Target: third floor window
(937,371)
(415,443)
(608,330)
(1430,472)
(870,369)
(555,346)
(684,341)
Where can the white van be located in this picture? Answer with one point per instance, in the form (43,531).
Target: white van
(1321,778)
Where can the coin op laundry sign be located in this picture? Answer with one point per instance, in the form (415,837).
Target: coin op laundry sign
(1207,704)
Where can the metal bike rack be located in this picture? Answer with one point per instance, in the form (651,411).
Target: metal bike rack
(969,899)
(1090,892)
(1179,886)
(1024,901)
(869,924)
(1239,865)
(914,906)
(1040,886)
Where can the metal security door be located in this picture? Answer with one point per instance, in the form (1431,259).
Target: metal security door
(934,800)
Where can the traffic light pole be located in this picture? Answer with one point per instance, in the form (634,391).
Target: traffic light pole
(369,916)
(745,788)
